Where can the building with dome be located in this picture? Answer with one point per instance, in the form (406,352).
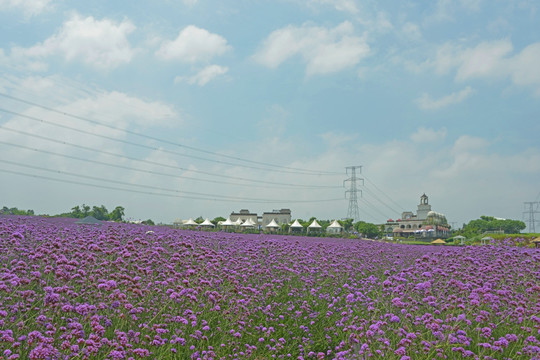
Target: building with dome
(426,223)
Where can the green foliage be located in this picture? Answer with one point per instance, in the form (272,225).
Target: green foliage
(367,229)
(99,212)
(14,211)
(199,220)
(148,222)
(218,219)
(117,214)
(347,224)
(490,223)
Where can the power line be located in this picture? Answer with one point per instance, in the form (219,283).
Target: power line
(146,161)
(152,147)
(382,192)
(371,206)
(180,177)
(200,196)
(369,192)
(304,171)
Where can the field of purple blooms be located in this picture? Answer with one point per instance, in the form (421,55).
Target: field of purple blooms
(121,291)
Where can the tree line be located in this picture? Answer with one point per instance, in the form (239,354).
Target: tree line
(491,224)
(78,212)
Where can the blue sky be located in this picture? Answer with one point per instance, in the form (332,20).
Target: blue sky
(439,97)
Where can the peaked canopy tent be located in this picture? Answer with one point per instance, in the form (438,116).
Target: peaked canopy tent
(272,226)
(177,223)
(536,242)
(227,224)
(296,227)
(190,223)
(207,224)
(248,224)
(314,226)
(334,228)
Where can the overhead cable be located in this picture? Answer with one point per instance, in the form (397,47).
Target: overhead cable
(146,161)
(275,166)
(179,177)
(175,193)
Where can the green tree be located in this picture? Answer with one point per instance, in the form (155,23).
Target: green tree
(117,214)
(218,219)
(100,212)
(148,222)
(490,223)
(76,212)
(367,229)
(85,210)
(347,224)
(199,220)
(15,211)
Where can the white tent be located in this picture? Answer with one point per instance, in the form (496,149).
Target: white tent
(314,226)
(238,222)
(296,226)
(248,223)
(207,223)
(227,224)
(273,225)
(334,228)
(190,222)
(177,223)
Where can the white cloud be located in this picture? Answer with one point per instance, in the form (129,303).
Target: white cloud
(192,45)
(425,102)
(484,60)
(101,44)
(411,31)
(334,139)
(120,110)
(28,7)
(275,124)
(524,69)
(204,76)
(491,60)
(446,10)
(323,50)
(340,5)
(190,2)
(424,135)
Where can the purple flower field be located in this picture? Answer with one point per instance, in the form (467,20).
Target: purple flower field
(118,291)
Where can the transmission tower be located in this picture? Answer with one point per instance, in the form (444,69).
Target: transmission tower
(530,211)
(353,211)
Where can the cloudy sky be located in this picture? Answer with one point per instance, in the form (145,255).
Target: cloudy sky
(177,109)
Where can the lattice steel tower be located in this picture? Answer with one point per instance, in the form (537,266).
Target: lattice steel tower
(530,212)
(353,211)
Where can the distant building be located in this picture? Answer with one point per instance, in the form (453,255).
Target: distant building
(426,223)
(243,215)
(282,216)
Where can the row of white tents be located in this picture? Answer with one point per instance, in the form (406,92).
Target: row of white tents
(334,228)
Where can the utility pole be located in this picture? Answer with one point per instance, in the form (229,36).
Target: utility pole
(530,214)
(353,211)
